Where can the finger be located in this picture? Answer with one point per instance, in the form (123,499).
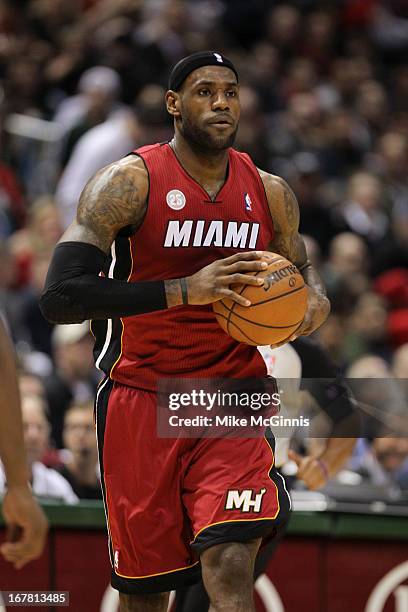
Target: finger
(246,266)
(247,256)
(294,456)
(235,297)
(13,532)
(278,344)
(20,551)
(245,279)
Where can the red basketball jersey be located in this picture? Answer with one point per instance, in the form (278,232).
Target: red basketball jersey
(183,231)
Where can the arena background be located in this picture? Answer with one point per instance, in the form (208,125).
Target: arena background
(324,93)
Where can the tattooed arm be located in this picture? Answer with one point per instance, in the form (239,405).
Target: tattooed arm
(287,241)
(114,198)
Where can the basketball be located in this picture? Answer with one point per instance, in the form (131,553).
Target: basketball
(277,307)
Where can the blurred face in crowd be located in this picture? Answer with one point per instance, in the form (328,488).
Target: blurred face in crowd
(75,359)
(369,318)
(31,385)
(36,428)
(348,254)
(283,25)
(207,108)
(391,452)
(372,101)
(45,221)
(365,189)
(304,110)
(79,433)
(393,149)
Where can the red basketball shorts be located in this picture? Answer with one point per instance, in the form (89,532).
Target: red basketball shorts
(167,500)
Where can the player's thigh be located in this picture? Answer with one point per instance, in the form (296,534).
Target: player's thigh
(154,602)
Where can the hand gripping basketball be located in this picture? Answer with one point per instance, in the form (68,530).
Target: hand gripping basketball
(278,305)
(213,282)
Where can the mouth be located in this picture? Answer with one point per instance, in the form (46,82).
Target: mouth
(222,122)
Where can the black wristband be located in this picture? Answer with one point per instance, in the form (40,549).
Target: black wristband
(307,264)
(184,292)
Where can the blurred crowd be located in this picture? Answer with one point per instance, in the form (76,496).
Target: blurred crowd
(324,94)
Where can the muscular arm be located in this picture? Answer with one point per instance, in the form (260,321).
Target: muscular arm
(116,197)
(12,451)
(288,242)
(26,523)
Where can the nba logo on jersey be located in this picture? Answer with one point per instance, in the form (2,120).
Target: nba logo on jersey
(248,203)
(218,57)
(116,559)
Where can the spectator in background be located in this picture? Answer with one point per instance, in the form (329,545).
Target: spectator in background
(80,466)
(74,378)
(45,482)
(98,93)
(346,271)
(12,201)
(381,398)
(367,327)
(99,89)
(305,178)
(363,211)
(30,384)
(384,462)
(110,141)
(39,236)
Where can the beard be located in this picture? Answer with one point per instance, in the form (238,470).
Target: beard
(202,140)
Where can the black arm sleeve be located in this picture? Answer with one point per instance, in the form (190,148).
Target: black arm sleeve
(324,381)
(74,292)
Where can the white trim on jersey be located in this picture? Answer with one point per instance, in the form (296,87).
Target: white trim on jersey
(109,325)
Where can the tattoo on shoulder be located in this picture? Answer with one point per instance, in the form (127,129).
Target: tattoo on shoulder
(291,206)
(110,201)
(286,246)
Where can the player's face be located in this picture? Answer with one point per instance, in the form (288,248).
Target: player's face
(209,108)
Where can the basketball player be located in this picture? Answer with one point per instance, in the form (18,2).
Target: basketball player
(171,227)
(26,523)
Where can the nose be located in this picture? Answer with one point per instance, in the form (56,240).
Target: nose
(220,102)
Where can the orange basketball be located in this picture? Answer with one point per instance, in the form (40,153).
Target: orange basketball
(277,307)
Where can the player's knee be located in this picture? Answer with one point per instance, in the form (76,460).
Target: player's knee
(229,565)
(152,602)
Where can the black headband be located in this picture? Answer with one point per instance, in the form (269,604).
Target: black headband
(203,58)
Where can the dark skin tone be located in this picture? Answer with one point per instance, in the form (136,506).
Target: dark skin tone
(206,113)
(117,195)
(26,524)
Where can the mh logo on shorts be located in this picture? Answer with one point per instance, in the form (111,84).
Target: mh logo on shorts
(243,501)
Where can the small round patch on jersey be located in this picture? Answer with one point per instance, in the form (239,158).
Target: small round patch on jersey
(176,199)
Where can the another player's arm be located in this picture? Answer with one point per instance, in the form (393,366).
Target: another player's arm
(26,523)
(337,423)
(114,198)
(287,241)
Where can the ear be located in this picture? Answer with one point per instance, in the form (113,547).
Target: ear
(173,103)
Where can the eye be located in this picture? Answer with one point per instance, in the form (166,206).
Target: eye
(231,93)
(203,92)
